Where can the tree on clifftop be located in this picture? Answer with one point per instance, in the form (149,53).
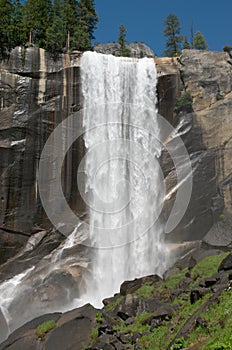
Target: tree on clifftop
(124,51)
(172,32)
(199,42)
(87,17)
(36,20)
(186,44)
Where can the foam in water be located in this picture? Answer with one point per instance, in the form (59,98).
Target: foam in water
(124,184)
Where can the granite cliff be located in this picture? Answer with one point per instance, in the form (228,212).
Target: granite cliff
(37,93)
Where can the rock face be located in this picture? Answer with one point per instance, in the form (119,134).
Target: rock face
(207,135)
(138,50)
(37,93)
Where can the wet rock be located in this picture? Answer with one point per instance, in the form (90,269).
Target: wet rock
(200,321)
(110,300)
(128,307)
(184,283)
(131,286)
(4,331)
(175,293)
(198,293)
(25,338)
(35,88)
(138,50)
(171,272)
(208,282)
(101,346)
(226,263)
(129,321)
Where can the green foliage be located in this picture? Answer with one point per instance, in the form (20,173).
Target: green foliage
(145,291)
(36,20)
(80,40)
(87,17)
(216,315)
(207,267)
(10,25)
(58,25)
(186,44)
(199,42)
(99,318)
(228,49)
(56,36)
(184,103)
(44,328)
(112,306)
(94,334)
(124,51)
(178,344)
(172,32)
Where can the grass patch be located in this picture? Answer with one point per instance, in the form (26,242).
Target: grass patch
(218,335)
(94,334)
(145,291)
(207,267)
(44,328)
(112,306)
(174,280)
(99,318)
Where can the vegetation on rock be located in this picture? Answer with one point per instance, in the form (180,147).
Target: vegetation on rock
(124,51)
(175,41)
(134,321)
(44,328)
(172,32)
(199,42)
(58,26)
(184,103)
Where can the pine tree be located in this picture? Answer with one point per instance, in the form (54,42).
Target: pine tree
(70,15)
(17,31)
(186,44)
(124,51)
(80,40)
(172,32)
(56,33)
(6,13)
(199,42)
(37,18)
(87,17)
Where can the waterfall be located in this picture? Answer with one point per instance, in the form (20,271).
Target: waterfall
(123,191)
(124,183)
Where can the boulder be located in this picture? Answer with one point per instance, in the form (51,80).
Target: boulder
(4,331)
(226,263)
(129,287)
(137,50)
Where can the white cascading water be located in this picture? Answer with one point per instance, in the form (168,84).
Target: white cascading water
(124,184)
(123,190)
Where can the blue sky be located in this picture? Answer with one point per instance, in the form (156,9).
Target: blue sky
(143,20)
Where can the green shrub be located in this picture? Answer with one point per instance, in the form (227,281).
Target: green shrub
(94,334)
(184,103)
(99,317)
(179,344)
(227,48)
(44,328)
(220,346)
(145,291)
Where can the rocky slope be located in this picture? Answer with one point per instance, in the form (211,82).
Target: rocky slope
(188,309)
